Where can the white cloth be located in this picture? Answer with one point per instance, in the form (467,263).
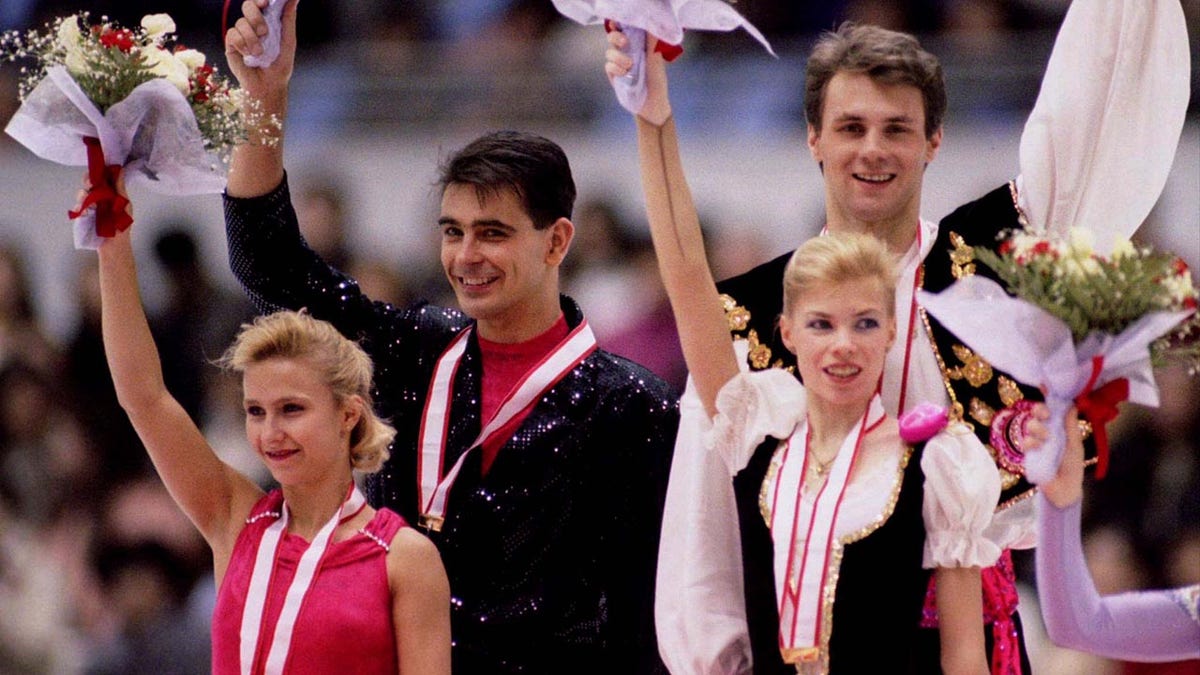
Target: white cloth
(664,19)
(1076,157)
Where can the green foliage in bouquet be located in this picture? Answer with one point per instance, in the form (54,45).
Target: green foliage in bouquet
(1093,293)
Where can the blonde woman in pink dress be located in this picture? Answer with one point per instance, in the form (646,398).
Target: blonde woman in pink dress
(311,579)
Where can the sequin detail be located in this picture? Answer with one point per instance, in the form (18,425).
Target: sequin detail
(382,544)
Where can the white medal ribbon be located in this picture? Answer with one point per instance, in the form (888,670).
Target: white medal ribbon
(434,488)
(260,578)
(804,535)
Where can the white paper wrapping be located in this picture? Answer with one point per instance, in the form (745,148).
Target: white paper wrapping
(664,19)
(152,133)
(1037,349)
(270,43)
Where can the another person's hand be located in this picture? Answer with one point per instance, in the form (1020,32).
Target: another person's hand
(244,38)
(657,108)
(1066,487)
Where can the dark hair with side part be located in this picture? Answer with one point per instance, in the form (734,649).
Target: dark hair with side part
(533,167)
(887,56)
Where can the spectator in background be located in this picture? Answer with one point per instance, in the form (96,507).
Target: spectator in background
(21,335)
(321,212)
(91,389)
(197,320)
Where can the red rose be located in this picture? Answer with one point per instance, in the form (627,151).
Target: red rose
(1006,247)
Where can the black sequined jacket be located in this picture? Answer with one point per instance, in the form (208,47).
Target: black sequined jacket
(754,301)
(550,555)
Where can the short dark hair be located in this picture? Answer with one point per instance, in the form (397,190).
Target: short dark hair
(533,167)
(886,56)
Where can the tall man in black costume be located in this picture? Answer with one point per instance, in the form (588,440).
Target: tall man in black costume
(536,462)
(1093,154)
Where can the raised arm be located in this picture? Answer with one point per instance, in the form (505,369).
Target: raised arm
(256,167)
(1101,139)
(214,496)
(675,231)
(1150,626)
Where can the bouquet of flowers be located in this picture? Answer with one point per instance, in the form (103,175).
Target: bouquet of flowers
(114,99)
(1088,328)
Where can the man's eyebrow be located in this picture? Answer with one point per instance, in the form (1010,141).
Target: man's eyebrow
(488,222)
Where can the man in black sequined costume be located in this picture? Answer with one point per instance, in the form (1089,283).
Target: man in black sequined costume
(548,524)
(873,163)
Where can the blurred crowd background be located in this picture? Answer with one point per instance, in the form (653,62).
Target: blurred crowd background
(101,573)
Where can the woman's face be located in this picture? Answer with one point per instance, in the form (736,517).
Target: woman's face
(840,333)
(294,423)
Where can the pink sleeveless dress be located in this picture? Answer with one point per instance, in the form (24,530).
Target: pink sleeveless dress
(345,623)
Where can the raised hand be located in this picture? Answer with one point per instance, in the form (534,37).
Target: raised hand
(1066,487)
(657,108)
(245,38)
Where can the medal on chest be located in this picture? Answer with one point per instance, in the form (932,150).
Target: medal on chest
(434,483)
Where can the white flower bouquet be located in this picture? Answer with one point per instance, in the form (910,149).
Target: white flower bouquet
(118,99)
(1086,327)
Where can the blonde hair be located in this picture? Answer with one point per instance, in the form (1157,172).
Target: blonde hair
(837,258)
(346,369)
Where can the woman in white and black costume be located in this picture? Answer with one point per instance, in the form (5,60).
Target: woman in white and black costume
(310,578)
(857,516)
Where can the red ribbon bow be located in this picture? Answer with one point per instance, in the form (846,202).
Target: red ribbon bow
(111,217)
(669,51)
(1099,407)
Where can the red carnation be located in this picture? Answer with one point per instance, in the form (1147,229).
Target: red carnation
(121,39)
(1006,247)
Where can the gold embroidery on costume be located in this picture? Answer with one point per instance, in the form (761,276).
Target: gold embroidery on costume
(1012,191)
(975,370)
(737,316)
(962,257)
(982,412)
(1010,393)
(764,504)
(760,354)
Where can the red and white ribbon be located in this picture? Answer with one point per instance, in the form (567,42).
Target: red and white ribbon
(434,486)
(260,578)
(805,534)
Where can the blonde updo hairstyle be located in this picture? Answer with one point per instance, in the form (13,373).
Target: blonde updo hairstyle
(836,258)
(346,369)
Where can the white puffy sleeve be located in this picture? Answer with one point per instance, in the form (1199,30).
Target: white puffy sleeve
(699,603)
(751,407)
(961,491)
(1101,139)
